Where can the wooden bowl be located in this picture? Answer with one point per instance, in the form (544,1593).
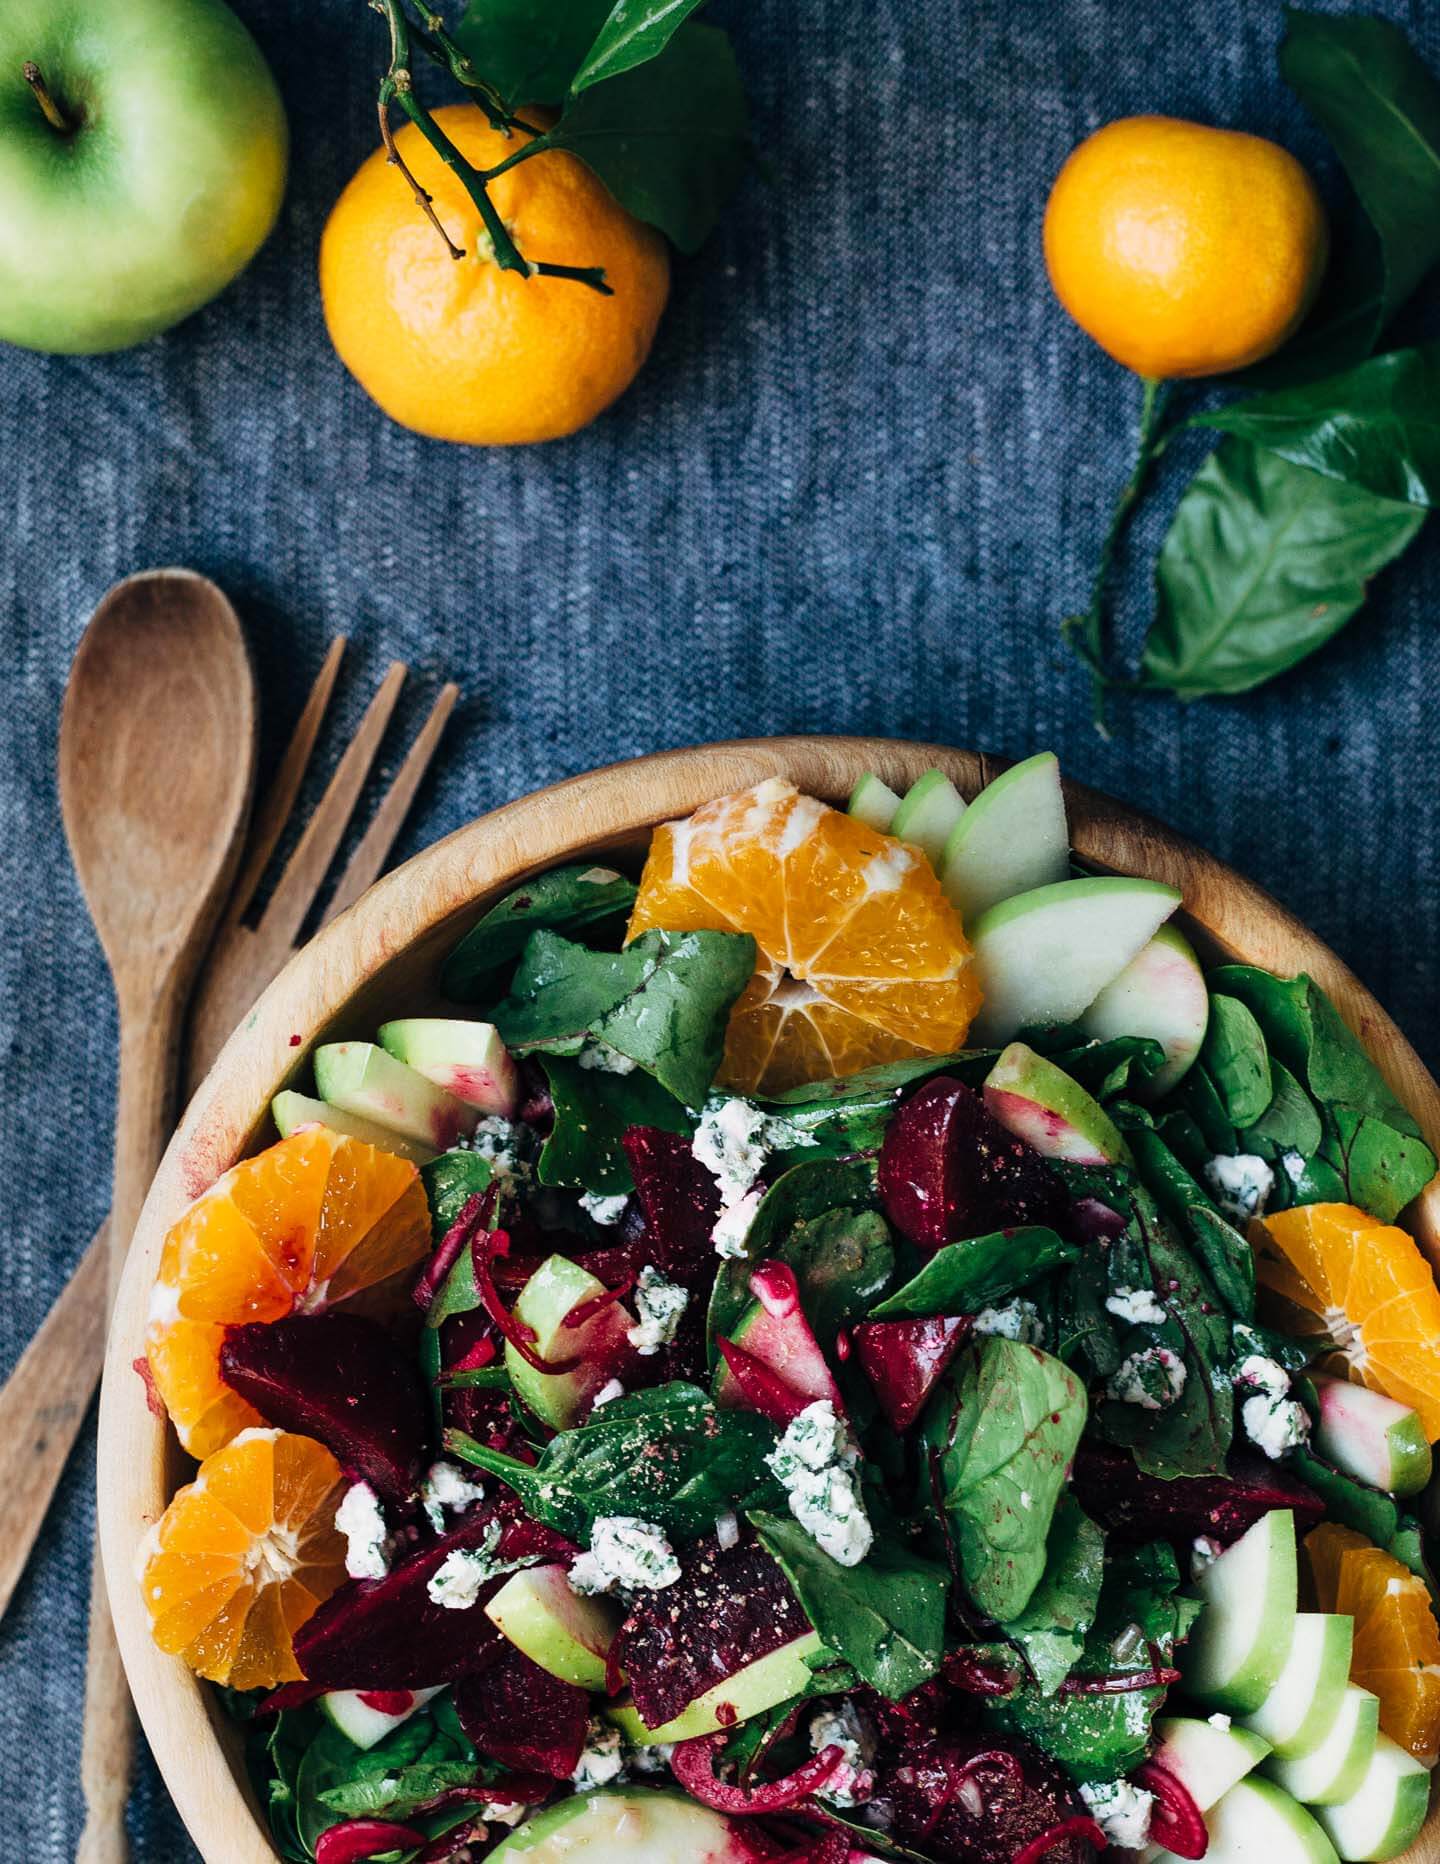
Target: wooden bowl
(381,959)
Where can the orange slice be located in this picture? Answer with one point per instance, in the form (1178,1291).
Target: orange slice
(243,1556)
(1397,1645)
(1369,1289)
(862,958)
(305,1224)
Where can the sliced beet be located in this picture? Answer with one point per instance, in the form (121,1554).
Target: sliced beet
(982,1798)
(729,1607)
(354,1840)
(343,1380)
(903,1358)
(522,1716)
(679,1198)
(949,1169)
(1133,1506)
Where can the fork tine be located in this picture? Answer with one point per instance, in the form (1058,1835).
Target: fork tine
(363,868)
(306,869)
(270,818)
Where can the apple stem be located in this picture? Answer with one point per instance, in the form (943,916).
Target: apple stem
(49,109)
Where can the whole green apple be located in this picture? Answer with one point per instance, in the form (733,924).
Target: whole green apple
(142,162)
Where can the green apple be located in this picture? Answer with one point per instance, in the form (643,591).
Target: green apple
(138,176)
(598,1344)
(1161,994)
(1371,1437)
(621,1826)
(1242,1637)
(1335,1769)
(466,1059)
(1207,1757)
(873,802)
(758,1686)
(362,1724)
(292,1111)
(1012,839)
(1258,1823)
(1043,957)
(1300,1710)
(564,1633)
(1384,1814)
(928,812)
(1044,1106)
(359,1078)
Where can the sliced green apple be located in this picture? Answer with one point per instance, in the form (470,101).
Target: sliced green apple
(564,1633)
(1242,1638)
(1012,839)
(1371,1437)
(360,1721)
(930,809)
(467,1059)
(1161,993)
(619,1826)
(873,802)
(1300,1709)
(290,1111)
(1043,957)
(1384,1814)
(360,1078)
(773,1678)
(1205,1758)
(1258,1823)
(598,1344)
(1335,1769)
(1044,1106)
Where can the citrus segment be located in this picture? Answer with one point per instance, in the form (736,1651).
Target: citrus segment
(305,1224)
(862,958)
(1371,1291)
(243,1556)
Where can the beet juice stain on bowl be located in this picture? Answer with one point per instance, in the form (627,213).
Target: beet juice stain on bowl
(872,1442)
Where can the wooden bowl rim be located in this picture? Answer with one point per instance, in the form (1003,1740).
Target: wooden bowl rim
(430,897)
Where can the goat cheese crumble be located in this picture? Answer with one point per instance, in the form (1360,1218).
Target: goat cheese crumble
(1273,1421)
(1012,1320)
(732,1226)
(367,1540)
(733,1141)
(1151,1379)
(599,1055)
(626,1555)
(456,1582)
(817,1464)
(660,1305)
(1137,1305)
(1122,1811)
(612,1388)
(604,1210)
(843,1726)
(447,1486)
(602,1759)
(1204,1552)
(498,1140)
(1242,1185)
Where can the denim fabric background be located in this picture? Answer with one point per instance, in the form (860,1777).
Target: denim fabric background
(861,479)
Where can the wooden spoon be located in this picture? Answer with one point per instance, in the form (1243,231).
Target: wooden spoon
(157,758)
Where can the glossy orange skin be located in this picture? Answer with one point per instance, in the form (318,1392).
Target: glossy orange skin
(1181,249)
(458,349)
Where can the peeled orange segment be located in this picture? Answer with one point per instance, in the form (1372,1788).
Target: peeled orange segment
(1396,1653)
(305,1224)
(1369,1289)
(243,1556)
(863,959)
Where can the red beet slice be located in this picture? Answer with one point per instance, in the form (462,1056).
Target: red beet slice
(949,1169)
(1176,1823)
(523,1717)
(358,1839)
(903,1358)
(982,1799)
(1110,1486)
(693,1764)
(342,1379)
(680,1199)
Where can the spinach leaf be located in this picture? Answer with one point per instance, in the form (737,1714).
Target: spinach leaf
(885,1617)
(1379,1169)
(663,1002)
(844,1261)
(275,1756)
(593,1109)
(1236,1059)
(666,1454)
(1120,1065)
(336,1780)
(998,1436)
(1263,563)
(636,31)
(1223,1251)
(1093,1737)
(1290,1123)
(567,898)
(965,1276)
(1051,1629)
(450,1181)
(1196,1097)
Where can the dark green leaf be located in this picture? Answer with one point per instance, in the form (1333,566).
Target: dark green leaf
(567,898)
(1263,563)
(1290,1123)
(593,1109)
(885,1617)
(1235,1058)
(458,1293)
(450,1182)
(1051,1629)
(635,32)
(1347,1501)
(529,50)
(966,1276)
(1380,1169)
(851,1114)
(1120,1065)
(843,1261)
(1196,1096)
(1223,1251)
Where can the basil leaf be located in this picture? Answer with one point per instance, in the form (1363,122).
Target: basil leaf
(885,1617)
(1236,1060)
(593,1110)
(567,898)
(1051,1629)
(1376,426)
(636,30)
(1263,563)
(963,1277)
(998,1437)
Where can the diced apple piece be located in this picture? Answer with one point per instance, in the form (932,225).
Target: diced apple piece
(1335,1769)
(361,1721)
(1258,1823)
(564,1633)
(291,1112)
(359,1078)
(873,802)
(930,810)
(1242,1638)
(1205,1758)
(1161,993)
(619,1826)
(1371,1437)
(598,1344)
(1384,1815)
(774,1331)
(1300,1710)
(758,1686)
(1012,839)
(1042,1105)
(466,1059)
(1043,957)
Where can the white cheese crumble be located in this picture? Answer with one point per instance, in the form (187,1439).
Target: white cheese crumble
(600,1055)
(447,1486)
(503,1811)
(367,1542)
(604,1210)
(612,1388)
(1151,1379)
(842,1725)
(498,1139)
(727,1529)
(1274,1425)
(1293,1166)
(1266,1375)
(660,1304)
(732,1226)
(817,1464)
(1242,1185)
(602,1759)
(456,1582)
(1137,1305)
(733,1141)
(1122,1811)
(1205,1550)
(1013,1320)
(626,1555)
(1219,1720)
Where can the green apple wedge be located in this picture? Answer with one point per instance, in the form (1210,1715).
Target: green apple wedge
(466,1059)
(1047,1108)
(1383,1816)
(1013,838)
(758,1686)
(360,1078)
(620,1826)
(142,164)
(1242,1637)
(1161,993)
(1371,1437)
(928,812)
(1206,1757)
(1043,957)
(362,1724)
(1300,1709)
(873,803)
(291,1111)
(564,1633)
(1335,1769)
(597,1345)
(1258,1823)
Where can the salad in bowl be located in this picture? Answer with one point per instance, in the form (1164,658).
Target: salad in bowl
(853,1345)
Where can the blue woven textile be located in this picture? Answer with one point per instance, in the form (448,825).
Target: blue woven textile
(860,481)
